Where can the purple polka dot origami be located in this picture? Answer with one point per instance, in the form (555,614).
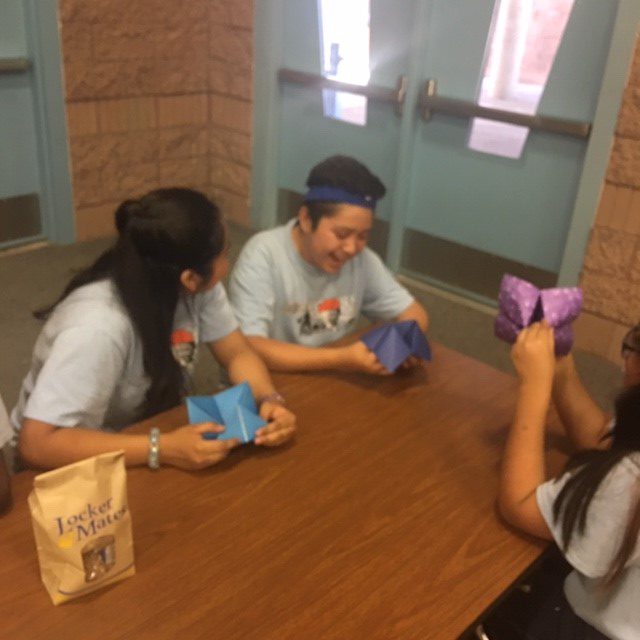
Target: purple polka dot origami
(235,409)
(522,303)
(394,343)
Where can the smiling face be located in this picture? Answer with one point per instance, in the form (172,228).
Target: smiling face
(336,238)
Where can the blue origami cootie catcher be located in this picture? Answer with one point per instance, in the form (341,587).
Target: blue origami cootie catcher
(235,409)
(394,343)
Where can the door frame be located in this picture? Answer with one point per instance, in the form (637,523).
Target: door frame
(44,52)
(267,39)
(596,161)
(268,34)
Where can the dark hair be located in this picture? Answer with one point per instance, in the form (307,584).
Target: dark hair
(159,236)
(590,468)
(343,172)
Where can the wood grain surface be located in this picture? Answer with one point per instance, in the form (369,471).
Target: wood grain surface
(378,521)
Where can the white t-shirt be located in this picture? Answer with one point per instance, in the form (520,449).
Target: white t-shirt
(277,294)
(614,611)
(87,366)
(6,430)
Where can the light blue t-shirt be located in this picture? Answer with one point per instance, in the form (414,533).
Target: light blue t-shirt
(614,611)
(277,294)
(87,367)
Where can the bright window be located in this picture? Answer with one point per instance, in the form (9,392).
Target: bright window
(344,28)
(523,43)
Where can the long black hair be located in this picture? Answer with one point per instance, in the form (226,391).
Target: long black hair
(159,236)
(590,468)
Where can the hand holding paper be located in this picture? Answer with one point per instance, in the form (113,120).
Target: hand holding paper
(233,408)
(522,303)
(394,343)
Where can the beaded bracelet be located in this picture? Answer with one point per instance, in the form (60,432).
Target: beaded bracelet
(153,459)
(274,397)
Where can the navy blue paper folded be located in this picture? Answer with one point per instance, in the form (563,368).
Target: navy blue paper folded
(394,343)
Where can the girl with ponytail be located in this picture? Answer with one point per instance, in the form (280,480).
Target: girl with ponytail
(119,343)
(592,510)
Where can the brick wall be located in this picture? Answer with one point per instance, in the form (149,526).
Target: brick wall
(158,93)
(611,273)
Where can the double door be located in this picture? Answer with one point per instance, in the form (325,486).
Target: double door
(481,117)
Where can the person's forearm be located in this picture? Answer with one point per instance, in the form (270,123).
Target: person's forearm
(66,445)
(523,464)
(248,366)
(415,311)
(584,421)
(282,356)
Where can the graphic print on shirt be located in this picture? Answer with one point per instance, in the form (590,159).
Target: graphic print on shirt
(329,314)
(183,347)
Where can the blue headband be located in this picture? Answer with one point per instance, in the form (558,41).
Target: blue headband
(336,194)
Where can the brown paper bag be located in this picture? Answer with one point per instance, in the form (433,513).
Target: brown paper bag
(82,526)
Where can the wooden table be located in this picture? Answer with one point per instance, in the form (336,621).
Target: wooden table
(377,522)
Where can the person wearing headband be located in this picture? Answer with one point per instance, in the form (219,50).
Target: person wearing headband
(305,284)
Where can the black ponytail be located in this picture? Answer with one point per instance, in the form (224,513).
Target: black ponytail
(159,236)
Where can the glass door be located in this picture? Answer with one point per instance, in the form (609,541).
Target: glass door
(488,197)
(475,113)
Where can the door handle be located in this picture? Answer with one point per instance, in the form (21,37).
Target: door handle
(14,65)
(401,94)
(430,102)
(396,96)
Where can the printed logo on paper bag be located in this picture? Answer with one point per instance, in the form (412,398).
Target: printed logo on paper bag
(98,553)
(87,523)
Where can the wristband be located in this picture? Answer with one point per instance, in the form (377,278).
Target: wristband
(153,459)
(274,397)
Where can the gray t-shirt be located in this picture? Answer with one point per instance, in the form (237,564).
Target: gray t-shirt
(87,367)
(277,294)
(613,611)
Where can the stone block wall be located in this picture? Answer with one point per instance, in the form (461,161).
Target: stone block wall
(158,93)
(611,273)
